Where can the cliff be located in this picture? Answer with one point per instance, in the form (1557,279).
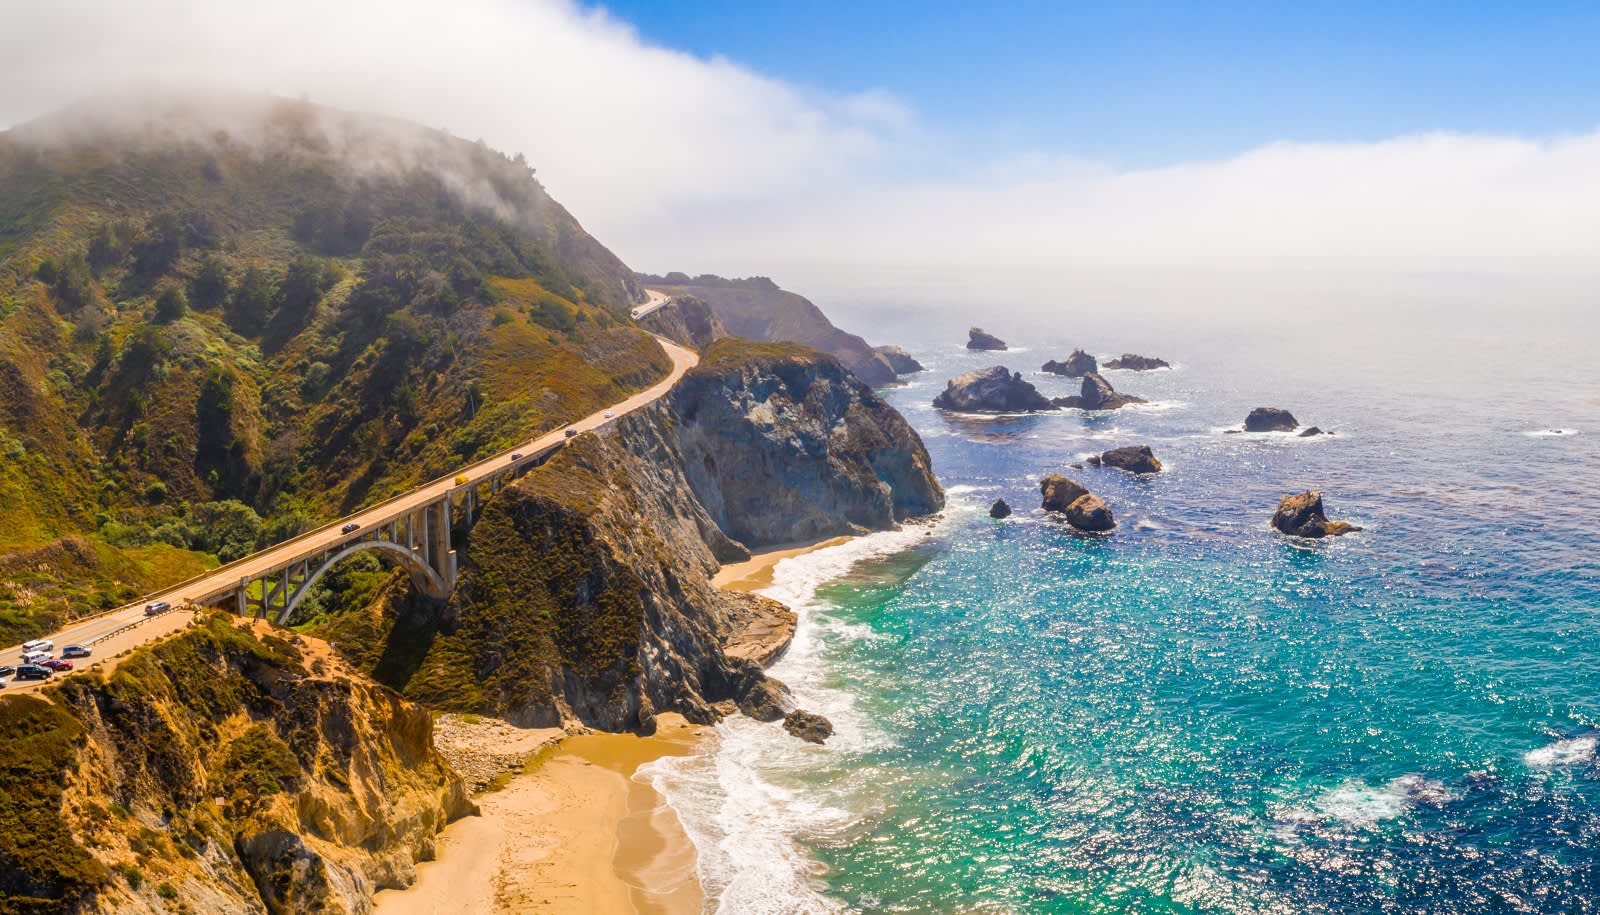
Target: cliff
(687,320)
(756,309)
(585,594)
(225,770)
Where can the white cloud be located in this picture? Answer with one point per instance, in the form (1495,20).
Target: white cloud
(701,164)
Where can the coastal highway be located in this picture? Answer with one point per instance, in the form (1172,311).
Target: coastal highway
(127,627)
(657,300)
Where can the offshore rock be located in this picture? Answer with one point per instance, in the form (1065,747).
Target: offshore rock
(808,726)
(1135,363)
(978,339)
(996,389)
(1270,419)
(1059,492)
(999,509)
(1097,394)
(899,360)
(1076,365)
(1302,516)
(1313,432)
(1089,513)
(1133,458)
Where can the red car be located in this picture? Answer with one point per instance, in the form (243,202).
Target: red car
(56,664)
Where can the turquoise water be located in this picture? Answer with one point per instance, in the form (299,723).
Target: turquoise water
(1195,714)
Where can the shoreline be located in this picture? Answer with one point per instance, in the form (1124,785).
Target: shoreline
(571,831)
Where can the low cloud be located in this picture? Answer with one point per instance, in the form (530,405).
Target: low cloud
(682,162)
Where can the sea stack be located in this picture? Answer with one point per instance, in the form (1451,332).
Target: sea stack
(1302,516)
(1270,419)
(977,339)
(899,360)
(999,509)
(808,726)
(1083,510)
(1137,459)
(1132,362)
(1097,394)
(1076,365)
(996,389)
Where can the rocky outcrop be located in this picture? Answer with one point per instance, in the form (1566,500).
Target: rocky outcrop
(244,772)
(808,726)
(1131,362)
(1083,510)
(585,593)
(1097,394)
(1270,419)
(1313,432)
(979,340)
(1076,365)
(755,308)
(999,509)
(992,390)
(1302,516)
(1132,458)
(899,360)
(687,320)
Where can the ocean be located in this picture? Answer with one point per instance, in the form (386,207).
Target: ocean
(1195,714)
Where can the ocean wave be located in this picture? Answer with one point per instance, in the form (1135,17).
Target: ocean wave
(1361,805)
(1569,751)
(739,799)
(1549,433)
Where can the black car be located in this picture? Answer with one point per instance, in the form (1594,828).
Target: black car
(34,672)
(517,456)
(571,433)
(7,670)
(350,528)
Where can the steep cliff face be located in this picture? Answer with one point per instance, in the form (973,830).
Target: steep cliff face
(687,320)
(586,589)
(224,769)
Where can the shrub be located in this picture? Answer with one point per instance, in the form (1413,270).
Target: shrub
(167,891)
(171,304)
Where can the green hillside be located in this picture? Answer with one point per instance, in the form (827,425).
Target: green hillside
(223,323)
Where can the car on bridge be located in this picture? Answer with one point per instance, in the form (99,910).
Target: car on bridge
(156,608)
(76,651)
(350,528)
(571,433)
(34,672)
(516,456)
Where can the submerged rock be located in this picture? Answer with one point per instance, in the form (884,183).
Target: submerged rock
(1270,419)
(1313,431)
(1089,513)
(992,390)
(808,726)
(1076,365)
(1133,458)
(977,339)
(899,360)
(1135,363)
(1097,394)
(1302,516)
(999,509)
(1059,492)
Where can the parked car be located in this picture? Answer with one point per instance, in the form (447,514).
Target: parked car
(39,645)
(34,672)
(7,670)
(34,657)
(56,664)
(571,433)
(350,528)
(76,651)
(156,608)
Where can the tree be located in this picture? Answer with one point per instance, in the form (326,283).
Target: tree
(171,304)
(209,288)
(250,303)
(227,529)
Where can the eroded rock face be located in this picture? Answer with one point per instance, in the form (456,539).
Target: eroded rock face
(1097,394)
(1076,365)
(1089,513)
(977,339)
(1059,492)
(999,509)
(1270,419)
(1133,458)
(1135,363)
(808,726)
(899,360)
(1302,516)
(996,389)
(688,320)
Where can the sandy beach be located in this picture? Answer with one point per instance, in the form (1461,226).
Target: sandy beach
(756,572)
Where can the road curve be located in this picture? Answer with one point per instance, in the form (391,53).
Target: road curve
(657,301)
(198,590)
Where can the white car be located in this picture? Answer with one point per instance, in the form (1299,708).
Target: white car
(609,414)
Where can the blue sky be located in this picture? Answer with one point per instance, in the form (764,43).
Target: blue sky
(1141,84)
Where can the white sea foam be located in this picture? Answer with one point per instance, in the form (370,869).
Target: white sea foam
(1549,433)
(1358,804)
(741,801)
(1568,752)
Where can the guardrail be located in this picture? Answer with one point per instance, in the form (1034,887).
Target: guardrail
(135,624)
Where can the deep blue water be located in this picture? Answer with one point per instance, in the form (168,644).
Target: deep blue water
(1193,713)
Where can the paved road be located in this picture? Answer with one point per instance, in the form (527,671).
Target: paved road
(657,300)
(323,539)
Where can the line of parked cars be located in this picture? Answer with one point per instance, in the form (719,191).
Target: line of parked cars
(39,664)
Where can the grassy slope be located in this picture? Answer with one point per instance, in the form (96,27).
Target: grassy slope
(374,331)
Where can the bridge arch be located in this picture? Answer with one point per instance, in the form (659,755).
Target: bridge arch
(426,579)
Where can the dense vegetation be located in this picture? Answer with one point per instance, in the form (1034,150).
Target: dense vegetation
(208,344)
